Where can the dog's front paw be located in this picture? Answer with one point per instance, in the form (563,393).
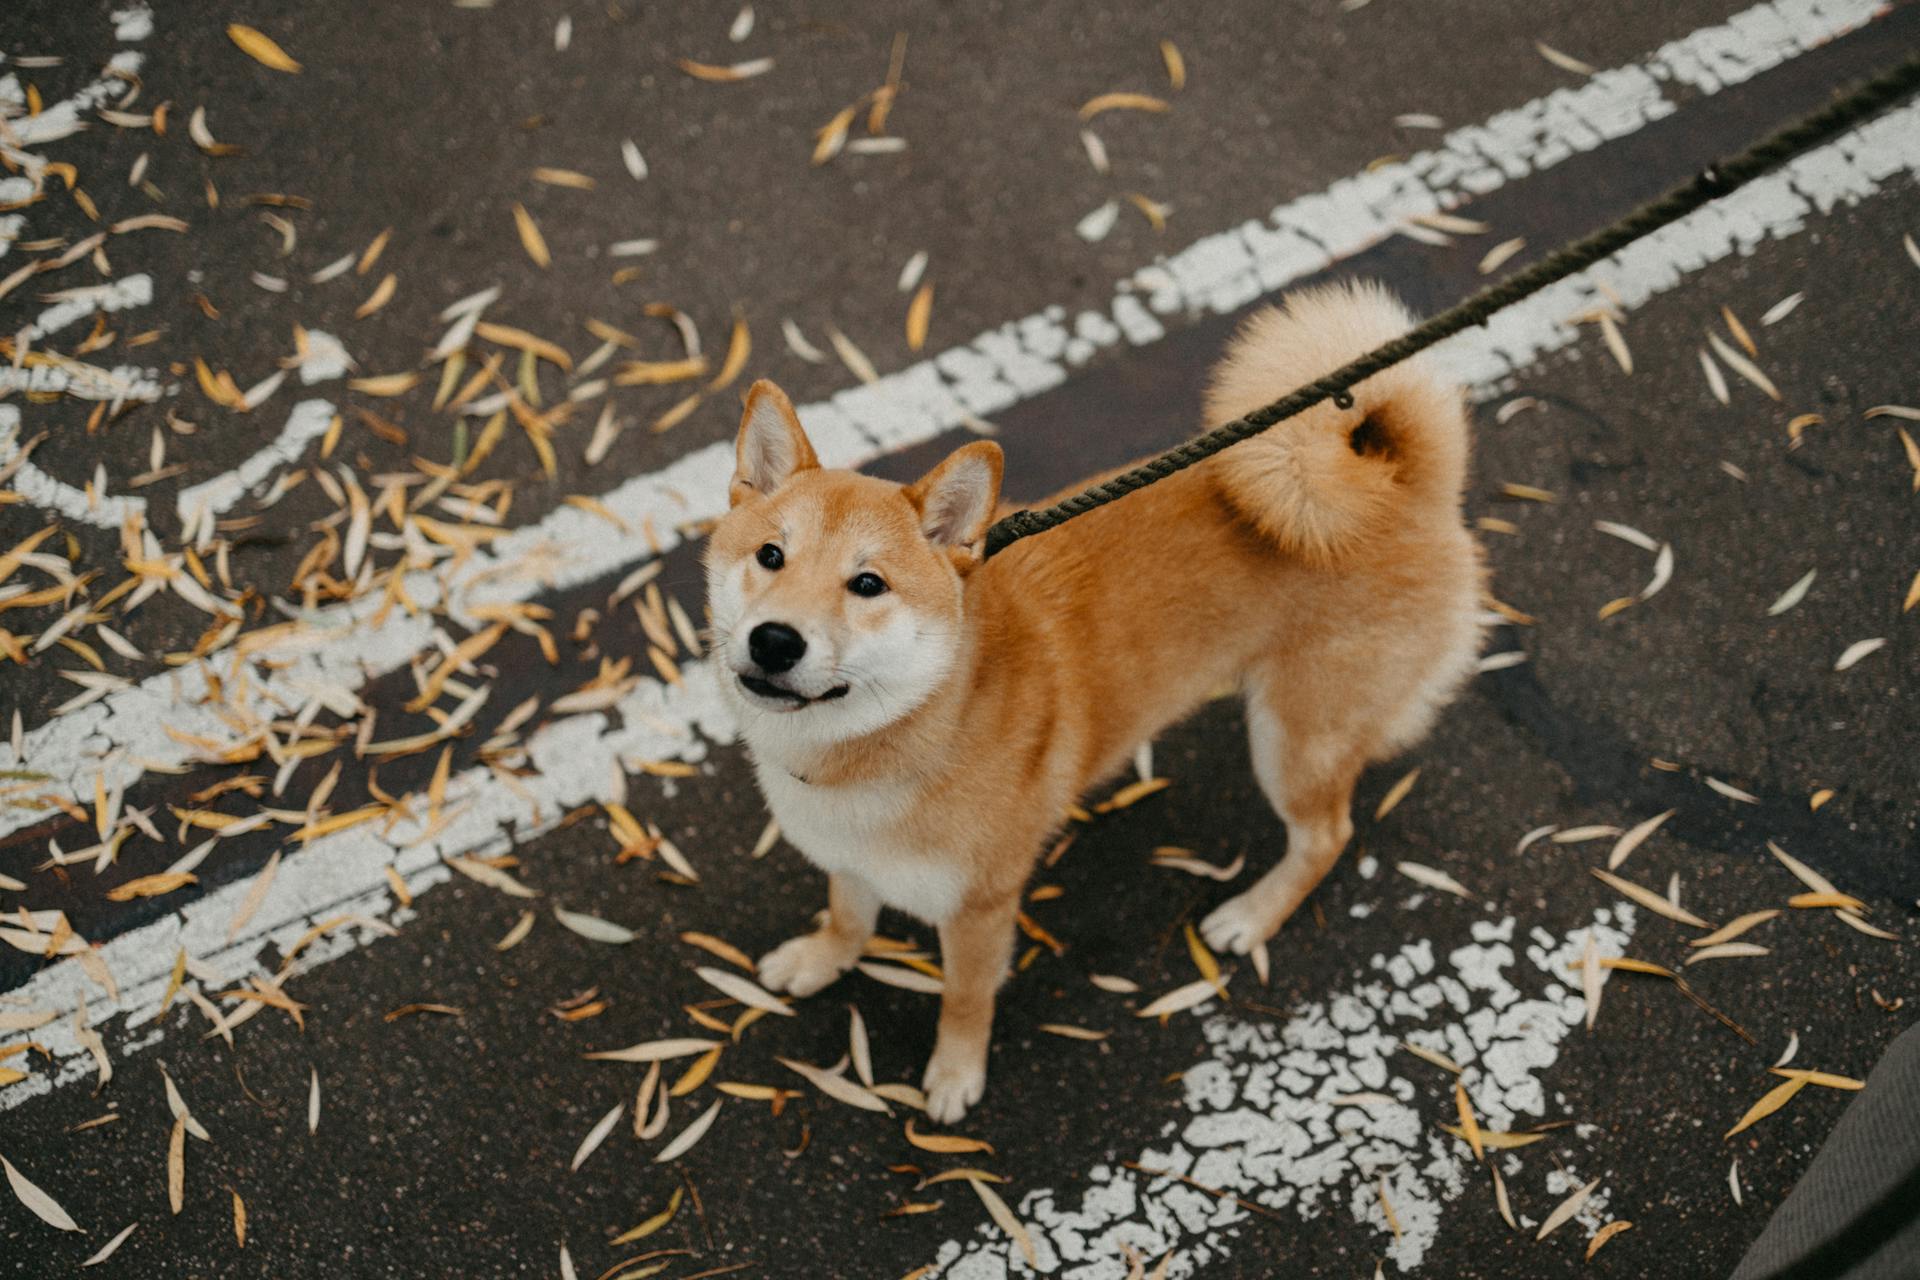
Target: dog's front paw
(954,1081)
(1239,924)
(803,965)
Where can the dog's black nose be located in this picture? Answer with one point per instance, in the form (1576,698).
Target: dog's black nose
(776,646)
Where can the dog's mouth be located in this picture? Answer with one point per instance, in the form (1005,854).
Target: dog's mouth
(779,693)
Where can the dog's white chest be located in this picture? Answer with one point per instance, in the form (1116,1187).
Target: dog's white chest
(853,831)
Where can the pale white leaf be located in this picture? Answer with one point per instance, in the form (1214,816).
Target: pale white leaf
(1792,596)
(743,989)
(43,1205)
(1432,878)
(690,1135)
(597,1135)
(593,928)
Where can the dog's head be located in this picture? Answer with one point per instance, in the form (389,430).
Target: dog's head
(837,597)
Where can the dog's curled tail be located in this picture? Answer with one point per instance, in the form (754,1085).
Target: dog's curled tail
(1324,483)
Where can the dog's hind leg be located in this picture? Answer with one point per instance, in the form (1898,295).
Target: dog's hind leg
(1308,777)
(809,962)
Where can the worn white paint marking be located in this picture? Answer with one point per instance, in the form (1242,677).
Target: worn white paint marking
(999,368)
(62,119)
(1262,1125)
(662,722)
(57,496)
(306,423)
(344,873)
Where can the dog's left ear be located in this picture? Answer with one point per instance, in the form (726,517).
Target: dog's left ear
(771,447)
(956,499)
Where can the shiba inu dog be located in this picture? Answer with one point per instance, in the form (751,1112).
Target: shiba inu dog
(920,719)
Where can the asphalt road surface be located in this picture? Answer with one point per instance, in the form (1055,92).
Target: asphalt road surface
(349,577)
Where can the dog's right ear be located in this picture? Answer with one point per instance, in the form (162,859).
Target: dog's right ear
(771,448)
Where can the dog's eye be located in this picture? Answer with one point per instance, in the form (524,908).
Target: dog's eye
(867,584)
(770,557)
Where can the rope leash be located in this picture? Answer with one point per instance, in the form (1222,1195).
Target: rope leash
(1727,176)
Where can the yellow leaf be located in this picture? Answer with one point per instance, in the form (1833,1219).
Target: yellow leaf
(1775,1099)
(919,314)
(261,48)
(530,238)
(1123,102)
(946,1144)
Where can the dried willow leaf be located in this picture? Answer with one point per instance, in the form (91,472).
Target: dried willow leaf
(43,1205)
(1634,837)
(1857,650)
(1648,899)
(1176,65)
(108,1249)
(858,1047)
(1119,986)
(1500,1200)
(1181,999)
(1743,366)
(177,1166)
(1734,928)
(655,1050)
(691,1134)
(593,928)
(944,1143)
(1068,1032)
(714,74)
(1567,1208)
(1716,381)
(1792,596)
(1730,791)
(905,979)
(1497,256)
(1728,951)
(596,1136)
(530,238)
(1002,1215)
(1605,1234)
(919,314)
(1123,102)
(518,934)
(654,1223)
(1395,794)
(743,989)
(1565,61)
(1433,1056)
(1774,1099)
(261,48)
(837,1087)
(1825,1079)
(1782,309)
(1432,878)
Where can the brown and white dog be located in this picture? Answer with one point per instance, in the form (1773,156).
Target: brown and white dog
(920,720)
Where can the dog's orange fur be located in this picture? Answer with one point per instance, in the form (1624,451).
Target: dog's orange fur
(1322,568)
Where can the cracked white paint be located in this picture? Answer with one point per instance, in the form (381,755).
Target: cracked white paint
(999,368)
(1262,1124)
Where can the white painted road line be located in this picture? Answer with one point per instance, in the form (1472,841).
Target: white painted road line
(997,369)
(574,757)
(1264,1125)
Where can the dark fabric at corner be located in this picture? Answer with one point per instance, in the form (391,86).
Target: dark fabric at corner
(1855,1215)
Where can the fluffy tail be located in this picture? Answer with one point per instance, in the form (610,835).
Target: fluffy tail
(1322,484)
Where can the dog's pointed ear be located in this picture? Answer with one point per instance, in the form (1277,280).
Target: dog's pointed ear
(771,448)
(957,498)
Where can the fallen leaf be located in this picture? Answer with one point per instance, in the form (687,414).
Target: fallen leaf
(261,48)
(43,1205)
(691,1134)
(596,1136)
(1567,1208)
(1774,1099)
(593,928)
